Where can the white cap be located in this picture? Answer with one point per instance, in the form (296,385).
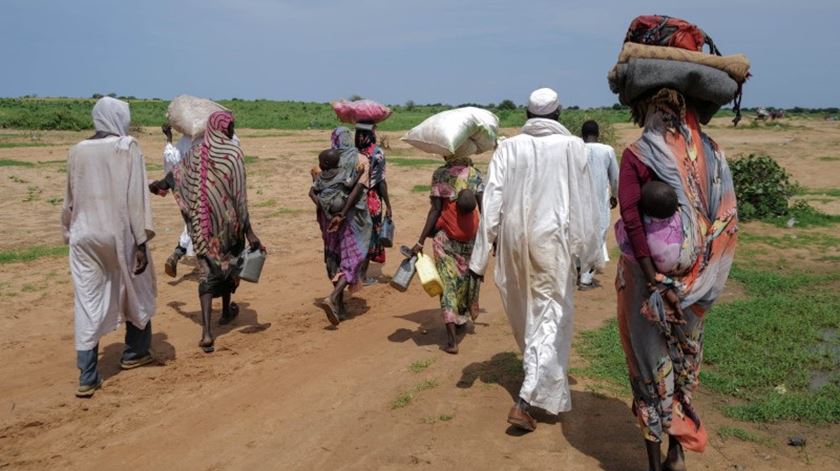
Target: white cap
(543,102)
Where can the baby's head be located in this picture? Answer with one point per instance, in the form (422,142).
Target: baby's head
(659,200)
(328,159)
(466,202)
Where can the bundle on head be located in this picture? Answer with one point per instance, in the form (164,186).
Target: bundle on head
(666,53)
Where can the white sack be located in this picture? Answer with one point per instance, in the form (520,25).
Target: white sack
(462,131)
(188,114)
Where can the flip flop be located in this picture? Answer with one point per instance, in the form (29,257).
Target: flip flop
(207,348)
(330,310)
(131,364)
(234,311)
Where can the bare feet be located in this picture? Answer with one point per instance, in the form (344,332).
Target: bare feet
(451,347)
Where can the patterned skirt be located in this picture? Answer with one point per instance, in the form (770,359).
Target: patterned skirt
(459,300)
(663,359)
(376,252)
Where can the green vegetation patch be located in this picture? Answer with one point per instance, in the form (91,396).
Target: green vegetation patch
(726,432)
(31,253)
(15,163)
(420,365)
(775,354)
(412,162)
(421,188)
(404,398)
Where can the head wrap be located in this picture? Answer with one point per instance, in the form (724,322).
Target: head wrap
(543,102)
(111,116)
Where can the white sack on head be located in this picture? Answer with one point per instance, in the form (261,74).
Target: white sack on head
(188,114)
(462,131)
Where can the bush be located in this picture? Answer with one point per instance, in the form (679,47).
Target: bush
(763,188)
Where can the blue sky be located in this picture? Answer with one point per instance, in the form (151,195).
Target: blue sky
(429,51)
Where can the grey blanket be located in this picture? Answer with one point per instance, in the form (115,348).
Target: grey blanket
(709,88)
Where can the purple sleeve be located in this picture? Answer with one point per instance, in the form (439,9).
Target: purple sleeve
(631,176)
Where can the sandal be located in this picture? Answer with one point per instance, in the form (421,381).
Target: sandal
(330,310)
(521,419)
(208,348)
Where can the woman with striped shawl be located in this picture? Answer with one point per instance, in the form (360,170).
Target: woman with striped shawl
(209,186)
(660,315)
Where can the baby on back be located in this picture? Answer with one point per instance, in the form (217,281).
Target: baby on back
(331,186)
(662,223)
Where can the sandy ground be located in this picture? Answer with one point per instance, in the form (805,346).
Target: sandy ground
(283,391)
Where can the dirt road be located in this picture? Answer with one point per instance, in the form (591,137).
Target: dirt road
(283,391)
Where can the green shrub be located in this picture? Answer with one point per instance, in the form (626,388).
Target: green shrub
(763,188)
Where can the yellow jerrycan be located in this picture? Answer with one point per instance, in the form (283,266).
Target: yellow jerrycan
(428,275)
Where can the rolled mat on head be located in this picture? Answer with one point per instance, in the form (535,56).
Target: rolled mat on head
(736,65)
(708,87)
(188,114)
(461,132)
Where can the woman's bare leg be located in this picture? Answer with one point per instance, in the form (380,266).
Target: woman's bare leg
(452,339)
(206,329)
(654,454)
(675,461)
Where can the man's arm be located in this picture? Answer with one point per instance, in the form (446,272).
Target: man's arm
(491,216)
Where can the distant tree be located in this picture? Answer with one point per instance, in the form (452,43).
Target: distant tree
(96,96)
(356,97)
(410,105)
(616,106)
(507,105)
(491,106)
(112,95)
(573,107)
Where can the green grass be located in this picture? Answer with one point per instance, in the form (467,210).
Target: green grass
(420,365)
(31,253)
(12,145)
(285,212)
(411,162)
(421,188)
(404,398)
(726,432)
(17,179)
(267,203)
(55,200)
(829,159)
(789,241)
(15,163)
(249,159)
(75,114)
(833,192)
(762,352)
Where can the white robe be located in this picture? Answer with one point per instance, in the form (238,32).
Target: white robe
(603,169)
(106,215)
(172,156)
(538,208)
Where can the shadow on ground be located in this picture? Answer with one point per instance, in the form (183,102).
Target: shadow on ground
(599,426)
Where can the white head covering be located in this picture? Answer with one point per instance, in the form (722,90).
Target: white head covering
(543,102)
(111,116)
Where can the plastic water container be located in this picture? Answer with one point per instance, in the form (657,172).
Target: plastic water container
(386,233)
(405,273)
(428,274)
(251,265)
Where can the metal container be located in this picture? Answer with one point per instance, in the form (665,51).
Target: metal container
(251,265)
(405,273)
(386,233)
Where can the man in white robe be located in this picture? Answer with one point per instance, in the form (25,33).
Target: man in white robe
(107,221)
(539,213)
(172,155)
(603,169)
